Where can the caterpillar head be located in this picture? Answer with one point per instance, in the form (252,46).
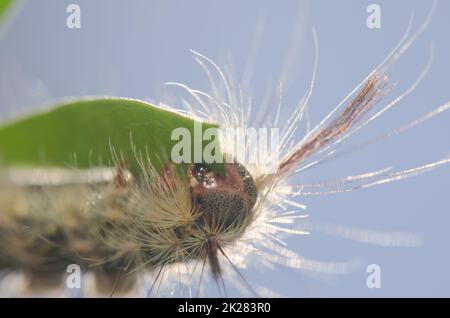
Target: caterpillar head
(223,200)
(225,203)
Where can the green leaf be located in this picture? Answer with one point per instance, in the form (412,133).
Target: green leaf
(81,133)
(4,6)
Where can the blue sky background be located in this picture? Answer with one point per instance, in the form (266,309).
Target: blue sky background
(131,48)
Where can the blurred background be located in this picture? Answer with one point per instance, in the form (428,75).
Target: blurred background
(131,48)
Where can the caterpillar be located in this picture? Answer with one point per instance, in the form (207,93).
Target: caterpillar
(121,212)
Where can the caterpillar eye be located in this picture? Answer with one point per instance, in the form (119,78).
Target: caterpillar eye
(223,200)
(202,175)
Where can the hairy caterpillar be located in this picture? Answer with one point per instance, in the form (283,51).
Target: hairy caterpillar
(118,227)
